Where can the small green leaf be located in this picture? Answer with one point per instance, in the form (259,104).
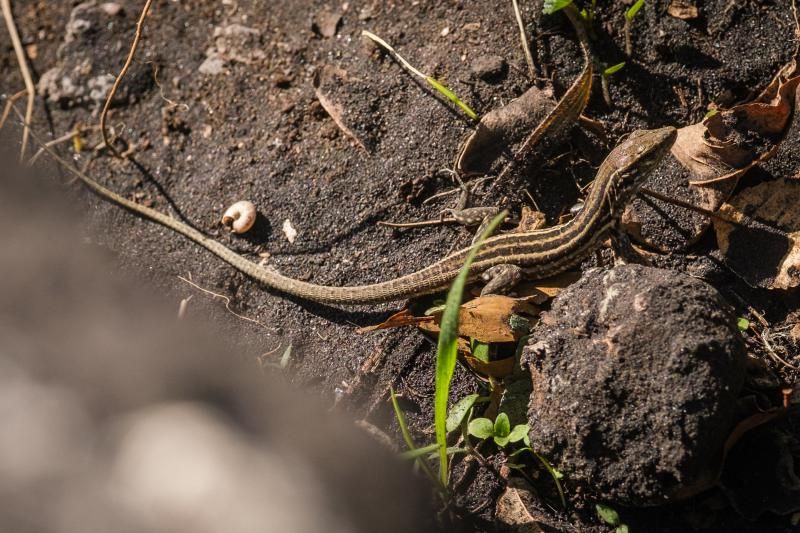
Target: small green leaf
(608,515)
(551,6)
(480,350)
(623,528)
(631,12)
(459,411)
(527,441)
(612,69)
(742,323)
(501,441)
(519,432)
(502,427)
(711,113)
(450,95)
(481,428)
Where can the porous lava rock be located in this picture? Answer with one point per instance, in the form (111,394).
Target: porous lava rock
(635,376)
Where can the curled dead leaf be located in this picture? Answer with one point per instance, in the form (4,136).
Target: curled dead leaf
(399,319)
(715,153)
(765,253)
(500,129)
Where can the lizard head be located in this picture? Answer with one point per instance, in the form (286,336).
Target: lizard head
(631,162)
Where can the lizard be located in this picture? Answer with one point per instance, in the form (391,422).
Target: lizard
(539,253)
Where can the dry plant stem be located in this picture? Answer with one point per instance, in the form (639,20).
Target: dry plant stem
(64,138)
(9,104)
(137,36)
(420,224)
(26,73)
(523,38)
(227,302)
(628,45)
(690,207)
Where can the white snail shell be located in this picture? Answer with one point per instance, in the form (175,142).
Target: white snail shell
(240,217)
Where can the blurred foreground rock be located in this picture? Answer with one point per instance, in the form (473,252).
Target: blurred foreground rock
(117,416)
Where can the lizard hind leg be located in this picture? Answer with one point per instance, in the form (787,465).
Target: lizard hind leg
(500,279)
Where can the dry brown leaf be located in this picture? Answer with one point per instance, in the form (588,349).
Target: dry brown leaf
(512,512)
(766,253)
(487,318)
(716,151)
(682,9)
(333,75)
(399,319)
(500,368)
(539,291)
(502,128)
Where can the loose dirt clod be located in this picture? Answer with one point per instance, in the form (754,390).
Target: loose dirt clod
(635,376)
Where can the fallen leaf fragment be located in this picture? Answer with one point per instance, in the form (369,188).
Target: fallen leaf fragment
(500,368)
(766,253)
(327,76)
(512,508)
(488,318)
(682,9)
(500,129)
(399,319)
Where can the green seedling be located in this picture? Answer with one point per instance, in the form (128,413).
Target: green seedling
(588,15)
(743,324)
(430,80)
(611,517)
(499,431)
(447,349)
(613,69)
(629,14)
(604,83)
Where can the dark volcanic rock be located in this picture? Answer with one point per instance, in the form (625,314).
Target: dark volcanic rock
(635,376)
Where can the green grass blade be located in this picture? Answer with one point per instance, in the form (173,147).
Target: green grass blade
(631,12)
(555,474)
(401,421)
(446,351)
(450,95)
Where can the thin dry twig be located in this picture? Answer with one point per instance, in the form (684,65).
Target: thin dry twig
(136,37)
(690,207)
(523,37)
(26,73)
(418,224)
(9,103)
(58,140)
(227,302)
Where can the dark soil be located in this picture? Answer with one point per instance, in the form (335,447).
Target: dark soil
(255,130)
